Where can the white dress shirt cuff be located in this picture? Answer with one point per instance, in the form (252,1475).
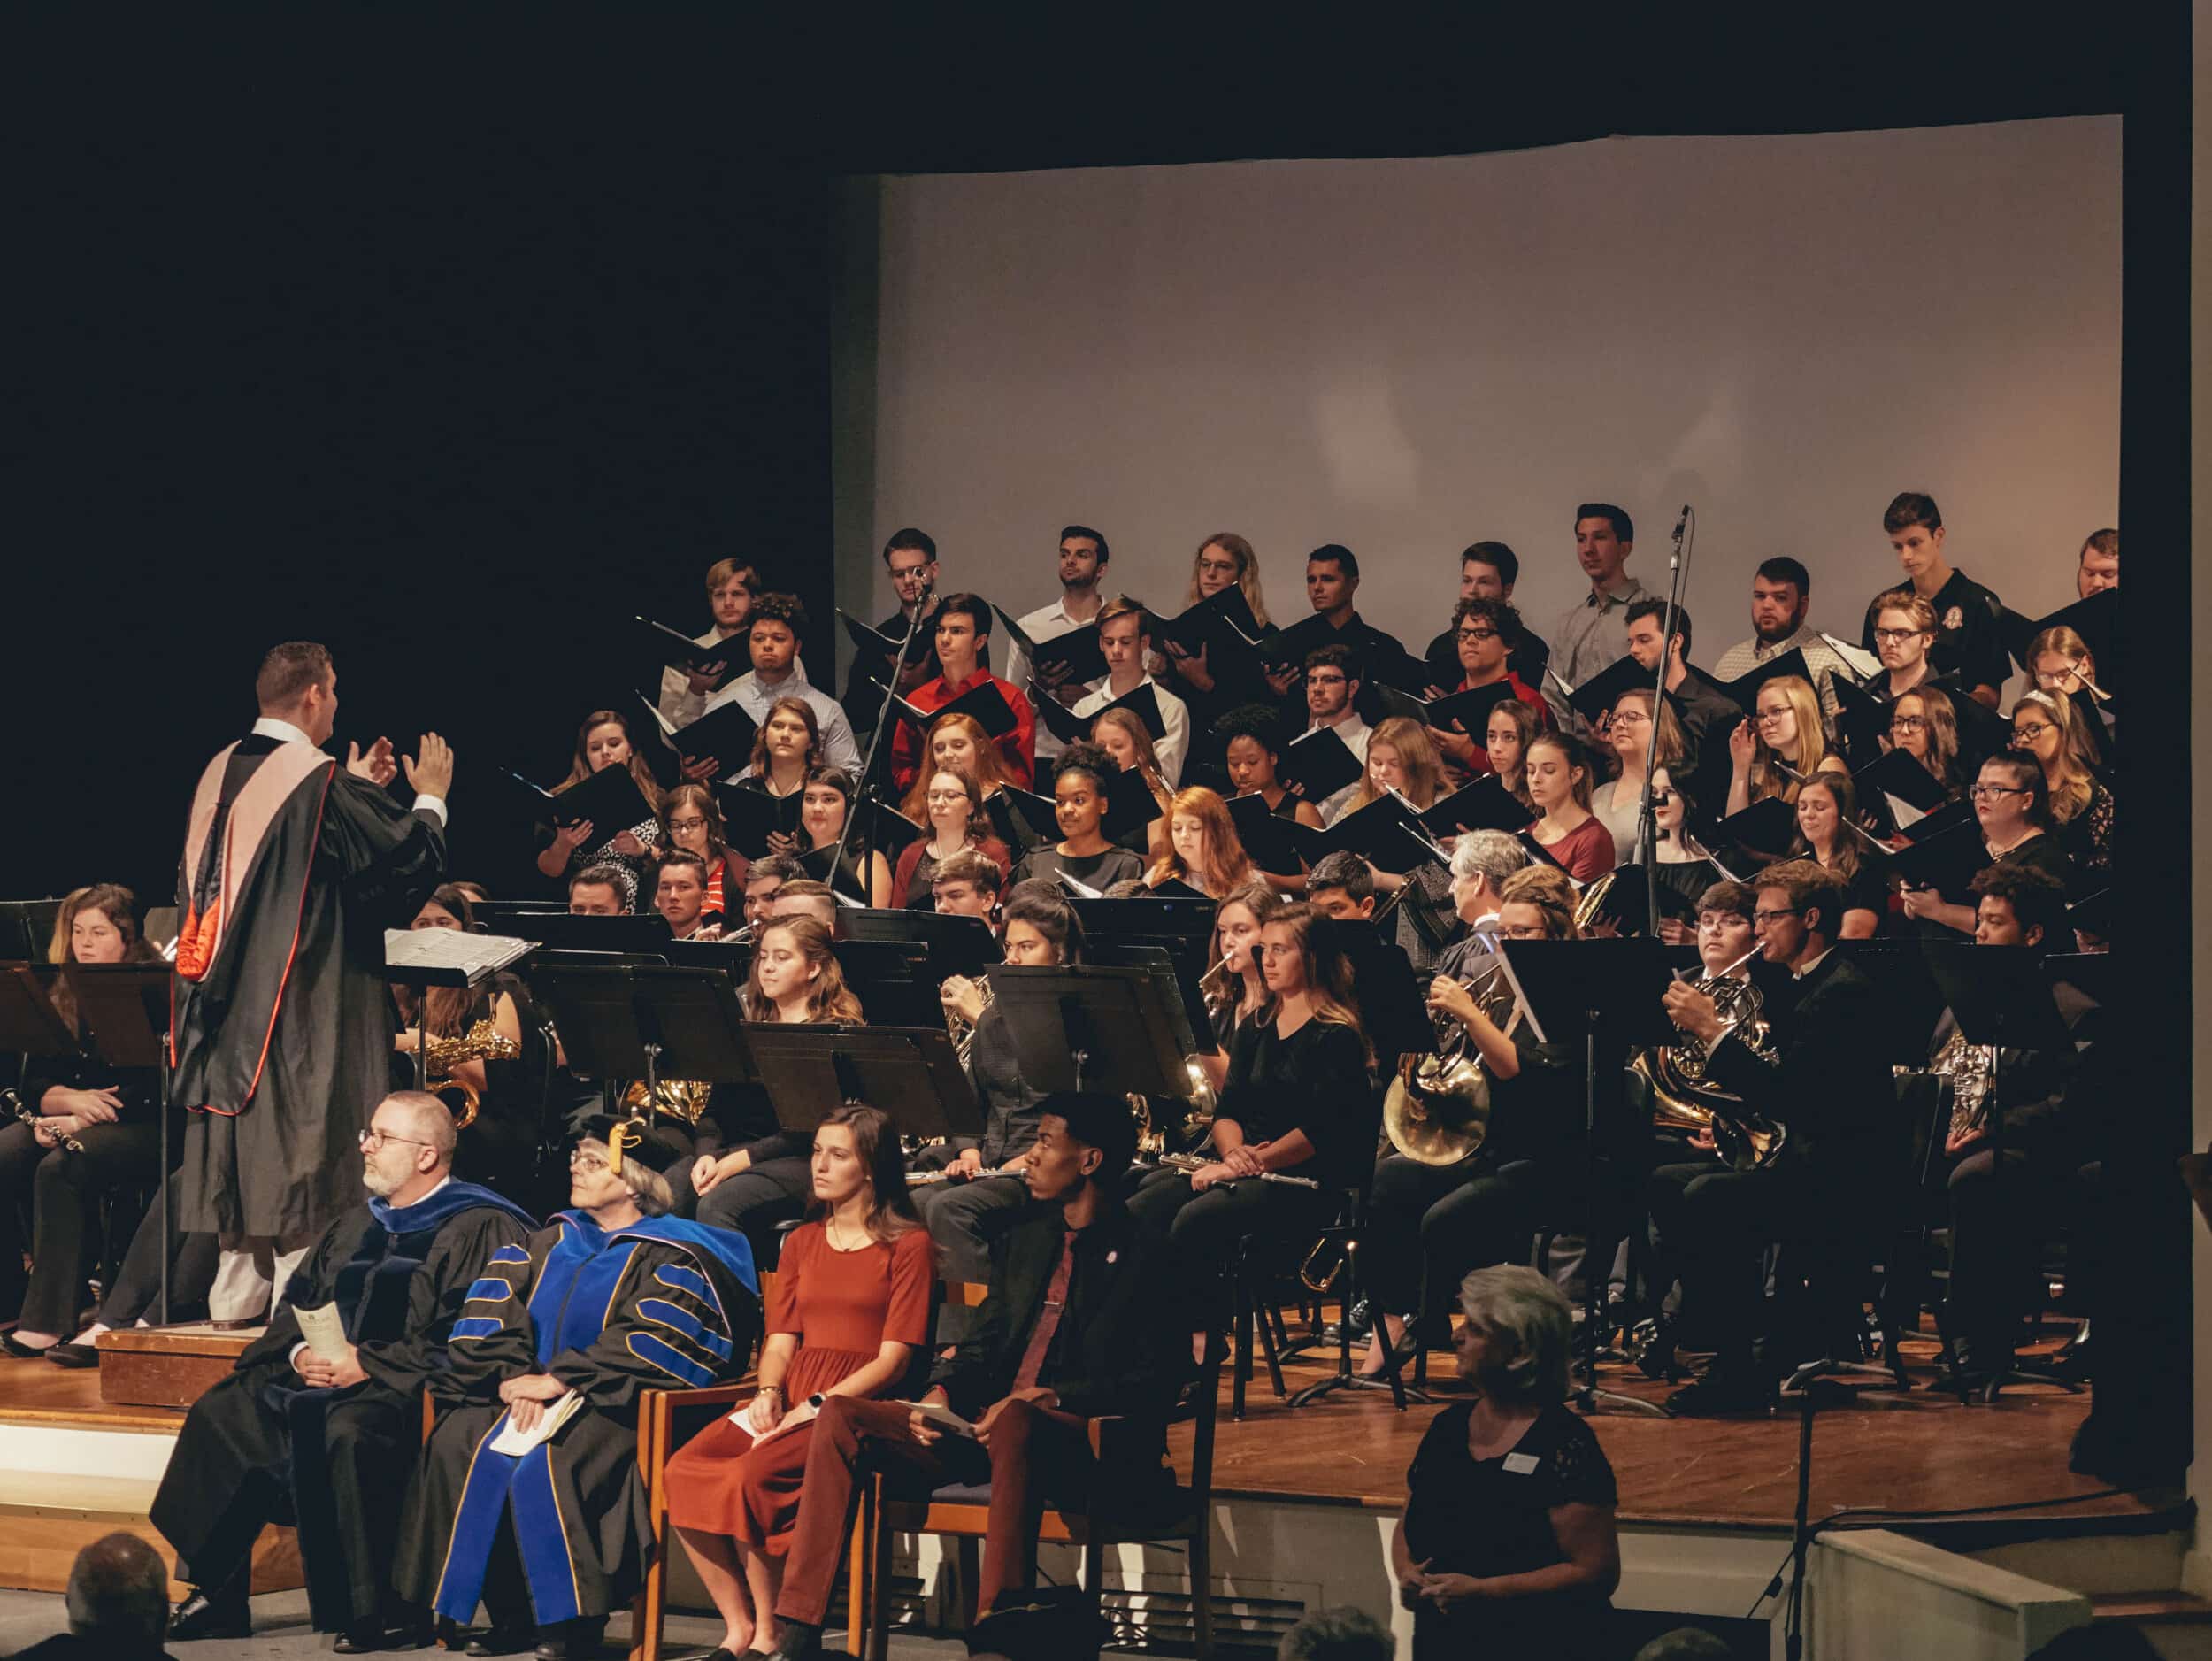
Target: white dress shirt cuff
(428,804)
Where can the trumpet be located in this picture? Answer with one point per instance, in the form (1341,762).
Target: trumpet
(15,1105)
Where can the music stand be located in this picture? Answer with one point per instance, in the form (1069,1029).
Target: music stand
(1089,1028)
(1584,989)
(2001,997)
(125,1006)
(895,981)
(1178,963)
(26,926)
(911,1073)
(957,944)
(422,958)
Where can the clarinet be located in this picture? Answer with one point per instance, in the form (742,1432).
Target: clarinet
(15,1105)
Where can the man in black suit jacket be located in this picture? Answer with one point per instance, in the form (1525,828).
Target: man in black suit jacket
(1828,1078)
(1083,1321)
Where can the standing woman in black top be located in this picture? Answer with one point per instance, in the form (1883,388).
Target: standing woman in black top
(112,1115)
(1509,1545)
(1299,1102)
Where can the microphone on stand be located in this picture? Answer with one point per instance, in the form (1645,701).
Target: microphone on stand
(1681,524)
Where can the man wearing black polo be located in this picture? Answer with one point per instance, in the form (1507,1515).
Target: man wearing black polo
(1967,638)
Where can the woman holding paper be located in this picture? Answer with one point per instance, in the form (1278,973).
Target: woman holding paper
(848,1311)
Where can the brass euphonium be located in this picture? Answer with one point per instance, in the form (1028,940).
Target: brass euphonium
(962,1030)
(1684,1099)
(483,1042)
(1437,1109)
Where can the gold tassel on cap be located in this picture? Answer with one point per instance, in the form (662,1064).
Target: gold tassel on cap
(628,1130)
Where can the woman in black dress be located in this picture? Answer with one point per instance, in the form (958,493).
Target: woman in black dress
(1299,1102)
(1509,1545)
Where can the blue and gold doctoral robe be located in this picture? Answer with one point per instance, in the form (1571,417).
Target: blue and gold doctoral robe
(661,1305)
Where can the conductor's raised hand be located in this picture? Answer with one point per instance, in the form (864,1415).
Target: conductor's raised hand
(430,769)
(377,766)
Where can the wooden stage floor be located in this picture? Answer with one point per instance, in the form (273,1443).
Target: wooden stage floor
(1916,1451)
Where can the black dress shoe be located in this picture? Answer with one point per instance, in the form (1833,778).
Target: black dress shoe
(797,1641)
(500,1640)
(571,1639)
(1723,1390)
(74,1356)
(220,1614)
(21,1351)
(363,1637)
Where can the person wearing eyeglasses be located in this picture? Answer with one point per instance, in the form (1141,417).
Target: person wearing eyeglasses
(1902,633)
(1781,746)
(2012,803)
(955,804)
(1486,632)
(691,823)
(1968,642)
(2059,660)
(2050,726)
(1923,724)
(1488,571)
(1620,804)
(1332,684)
(614,1297)
(395,1267)
(1831,1086)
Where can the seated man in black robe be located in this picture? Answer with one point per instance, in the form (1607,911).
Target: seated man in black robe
(565,1331)
(328,1443)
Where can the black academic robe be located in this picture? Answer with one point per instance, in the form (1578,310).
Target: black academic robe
(293,868)
(261,1446)
(660,1304)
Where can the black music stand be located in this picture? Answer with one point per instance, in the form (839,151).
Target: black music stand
(1588,989)
(1089,1028)
(957,944)
(2000,995)
(626,1021)
(911,1073)
(26,926)
(420,976)
(126,1008)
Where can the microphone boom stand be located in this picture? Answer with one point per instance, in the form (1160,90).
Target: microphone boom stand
(866,788)
(1647,812)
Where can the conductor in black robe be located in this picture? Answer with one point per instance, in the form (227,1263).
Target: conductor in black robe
(528,1498)
(293,868)
(327,1444)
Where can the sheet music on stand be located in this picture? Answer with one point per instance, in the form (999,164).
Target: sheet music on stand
(451,956)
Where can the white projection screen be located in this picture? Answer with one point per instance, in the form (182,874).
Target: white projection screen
(1407,356)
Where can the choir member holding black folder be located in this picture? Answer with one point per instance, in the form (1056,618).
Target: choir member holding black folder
(605,811)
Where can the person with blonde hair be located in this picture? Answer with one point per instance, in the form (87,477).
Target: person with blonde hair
(1129,746)
(1781,746)
(603,741)
(1402,758)
(1125,637)
(2049,727)
(1508,1544)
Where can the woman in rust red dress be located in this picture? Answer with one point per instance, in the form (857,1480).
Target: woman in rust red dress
(848,1312)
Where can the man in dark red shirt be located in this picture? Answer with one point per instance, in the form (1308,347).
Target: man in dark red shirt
(963,630)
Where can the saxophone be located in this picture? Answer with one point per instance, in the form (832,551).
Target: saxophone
(483,1042)
(1970,1068)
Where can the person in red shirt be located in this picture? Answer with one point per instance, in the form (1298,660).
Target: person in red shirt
(1486,631)
(963,632)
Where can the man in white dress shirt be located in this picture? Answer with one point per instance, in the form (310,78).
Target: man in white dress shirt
(1126,639)
(1083,559)
(773,641)
(1331,683)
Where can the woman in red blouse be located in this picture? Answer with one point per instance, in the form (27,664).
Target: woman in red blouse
(1558,776)
(848,1312)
